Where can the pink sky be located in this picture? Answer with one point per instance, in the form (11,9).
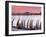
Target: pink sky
(22,9)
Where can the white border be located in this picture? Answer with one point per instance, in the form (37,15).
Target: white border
(24,32)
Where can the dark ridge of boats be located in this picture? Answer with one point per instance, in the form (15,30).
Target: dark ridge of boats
(26,13)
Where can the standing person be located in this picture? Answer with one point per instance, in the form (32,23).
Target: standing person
(30,24)
(38,24)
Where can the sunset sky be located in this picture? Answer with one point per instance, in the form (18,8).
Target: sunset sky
(23,9)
